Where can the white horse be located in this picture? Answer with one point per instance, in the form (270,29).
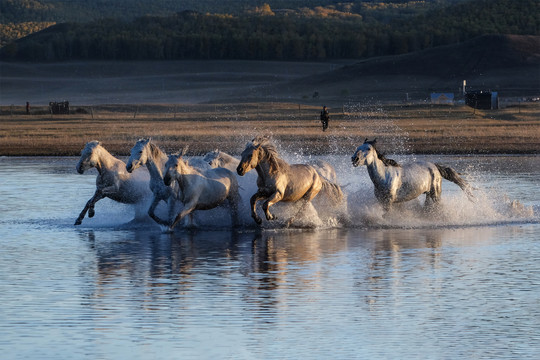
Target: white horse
(325,170)
(219,158)
(396,183)
(201,190)
(147,153)
(113,181)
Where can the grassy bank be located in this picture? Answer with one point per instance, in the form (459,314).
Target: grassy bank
(399,128)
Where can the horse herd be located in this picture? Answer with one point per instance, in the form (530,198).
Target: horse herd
(211,182)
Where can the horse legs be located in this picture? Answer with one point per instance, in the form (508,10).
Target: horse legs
(234,202)
(274,198)
(98,195)
(171,204)
(188,209)
(151,213)
(253,202)
(433,196)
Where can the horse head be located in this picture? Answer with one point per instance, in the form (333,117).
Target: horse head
(138,155)
(367,152)
(89,157)
(171,169)
(250,158)
(363,154)
(175,166)
(212,158)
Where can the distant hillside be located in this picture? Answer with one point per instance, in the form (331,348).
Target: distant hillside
(509,64)
(333,32)
(19,18)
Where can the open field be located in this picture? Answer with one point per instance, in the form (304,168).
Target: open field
(399,128)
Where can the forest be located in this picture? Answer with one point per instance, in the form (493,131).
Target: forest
(330,31)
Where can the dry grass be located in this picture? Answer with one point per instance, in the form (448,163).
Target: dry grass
(399,128)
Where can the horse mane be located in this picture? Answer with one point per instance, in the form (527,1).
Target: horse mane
(384,159)
(277,164)
(155,150)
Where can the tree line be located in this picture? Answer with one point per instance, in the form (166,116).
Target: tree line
(271,35)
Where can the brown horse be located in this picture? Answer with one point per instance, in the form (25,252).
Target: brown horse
(280,181)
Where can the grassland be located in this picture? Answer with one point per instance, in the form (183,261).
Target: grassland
(398,128)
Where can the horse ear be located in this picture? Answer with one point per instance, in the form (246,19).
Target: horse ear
(374,141)
(184,150)
(365,140)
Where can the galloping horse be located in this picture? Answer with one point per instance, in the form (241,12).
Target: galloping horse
(201,190)
(113,181)
(219,158)
(399,183)
(279,181)
(147,153)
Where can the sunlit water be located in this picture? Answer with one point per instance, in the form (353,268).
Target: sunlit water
(463,283)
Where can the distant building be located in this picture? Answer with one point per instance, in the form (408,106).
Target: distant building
(484,100)
(442,98)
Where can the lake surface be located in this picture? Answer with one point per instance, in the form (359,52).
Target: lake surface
(464,283)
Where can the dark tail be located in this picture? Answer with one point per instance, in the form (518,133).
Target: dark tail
(332,191)
(451,175)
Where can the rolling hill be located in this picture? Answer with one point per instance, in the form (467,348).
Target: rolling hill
(509,64)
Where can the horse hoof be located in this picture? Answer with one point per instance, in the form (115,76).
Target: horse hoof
(271,217)
(78,222)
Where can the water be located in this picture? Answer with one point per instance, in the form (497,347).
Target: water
(462,284)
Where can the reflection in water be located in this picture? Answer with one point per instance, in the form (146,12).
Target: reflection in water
(225,279)
(257,263)
(276,294)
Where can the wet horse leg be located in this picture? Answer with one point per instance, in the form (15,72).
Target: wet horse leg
(253,202)
(274,198)
(187,210)
(98,195)
(234,201)
(151,213)
(433,196)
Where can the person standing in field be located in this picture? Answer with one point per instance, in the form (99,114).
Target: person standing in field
(27,108)
(325,116)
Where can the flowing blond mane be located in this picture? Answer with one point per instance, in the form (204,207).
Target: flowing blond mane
(270,153)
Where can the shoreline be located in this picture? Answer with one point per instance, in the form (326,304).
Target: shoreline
(400,129)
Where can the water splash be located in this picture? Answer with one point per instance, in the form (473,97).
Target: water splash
(493,206)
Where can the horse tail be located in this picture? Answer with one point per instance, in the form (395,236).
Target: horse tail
(332,191)
(451,175)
